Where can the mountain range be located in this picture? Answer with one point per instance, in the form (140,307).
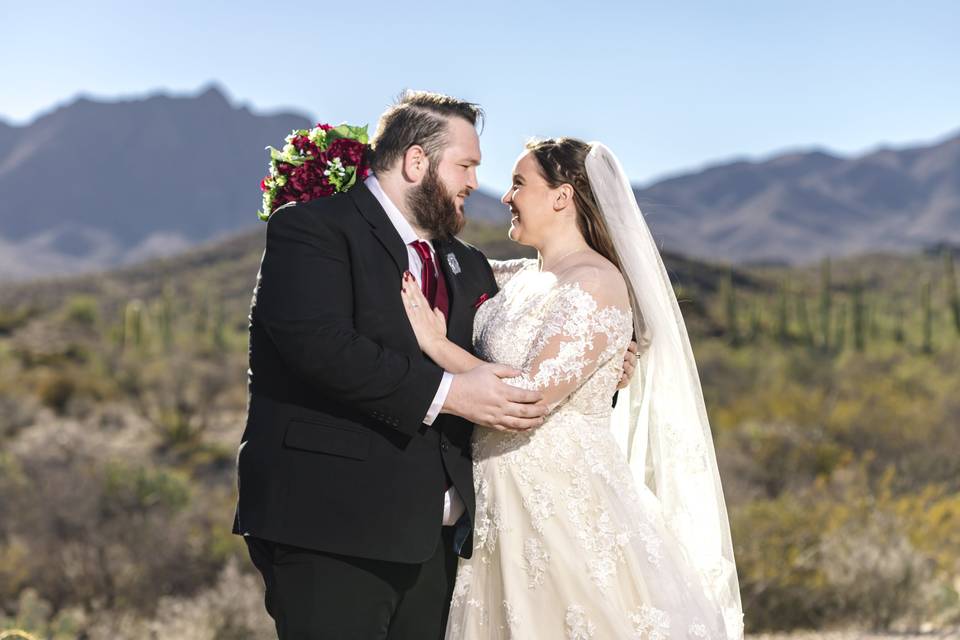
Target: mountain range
(799,207)
(95,184)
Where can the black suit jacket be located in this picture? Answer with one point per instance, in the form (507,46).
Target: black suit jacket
(335,456)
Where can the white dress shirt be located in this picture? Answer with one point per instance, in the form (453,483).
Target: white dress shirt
(452,504)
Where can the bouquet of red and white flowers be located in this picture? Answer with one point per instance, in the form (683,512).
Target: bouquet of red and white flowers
(315,163)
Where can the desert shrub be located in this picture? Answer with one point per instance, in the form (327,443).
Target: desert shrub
(17,410)
(68,389)
(847,550)
(55,388)
(84,524)
(35,616)
(772,458)
(12,319)
(82,310)
(877,575)
(180,395)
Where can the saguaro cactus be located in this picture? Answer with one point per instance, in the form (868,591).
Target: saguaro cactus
(783,315)
(926,303)
(803,315)
(133,329)
(840,337)
(202,316)
(756,320)
(859,317)
(730,307)
(218,329)
(953,294)
(899,334)
(165,316)
(826,303)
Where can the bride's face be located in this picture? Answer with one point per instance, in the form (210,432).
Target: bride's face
(530,199)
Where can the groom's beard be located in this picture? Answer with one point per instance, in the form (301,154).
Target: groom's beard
(433,208)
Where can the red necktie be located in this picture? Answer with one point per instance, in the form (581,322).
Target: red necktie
(431,280)
(434,289)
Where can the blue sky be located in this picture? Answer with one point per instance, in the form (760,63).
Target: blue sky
(668,86)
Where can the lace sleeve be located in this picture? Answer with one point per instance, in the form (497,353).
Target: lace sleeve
(587,323)
(503,270)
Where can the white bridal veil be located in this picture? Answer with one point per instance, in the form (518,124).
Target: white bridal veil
(661,421)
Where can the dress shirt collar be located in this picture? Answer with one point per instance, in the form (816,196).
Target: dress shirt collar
(407,234)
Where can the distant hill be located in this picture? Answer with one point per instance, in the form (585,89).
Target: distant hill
(95,184)
(799,207)
(228,266)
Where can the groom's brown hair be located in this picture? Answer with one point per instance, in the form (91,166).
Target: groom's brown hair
(418,117)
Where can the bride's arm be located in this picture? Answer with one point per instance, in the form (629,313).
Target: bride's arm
(430,327)
(585,326)
(587,323)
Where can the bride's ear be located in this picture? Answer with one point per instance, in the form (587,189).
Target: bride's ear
(563,197)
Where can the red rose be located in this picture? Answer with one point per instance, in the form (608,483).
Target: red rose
(307,181)
(349,151)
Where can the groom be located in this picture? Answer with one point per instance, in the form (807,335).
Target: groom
(354,468)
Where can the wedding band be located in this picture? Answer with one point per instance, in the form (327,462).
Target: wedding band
(414,305)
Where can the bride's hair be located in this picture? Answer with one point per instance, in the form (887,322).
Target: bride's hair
(563,161)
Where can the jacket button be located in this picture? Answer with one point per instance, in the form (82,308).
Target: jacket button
(443,445)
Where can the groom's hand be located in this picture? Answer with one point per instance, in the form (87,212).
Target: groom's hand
(629,365)
(481,397)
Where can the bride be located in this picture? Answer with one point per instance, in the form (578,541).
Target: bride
(602,523)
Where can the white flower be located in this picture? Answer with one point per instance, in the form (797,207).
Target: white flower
(335,167)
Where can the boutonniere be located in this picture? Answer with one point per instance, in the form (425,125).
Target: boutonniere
(483,298)
(454,265)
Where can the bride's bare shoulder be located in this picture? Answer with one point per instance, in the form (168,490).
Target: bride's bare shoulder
(600,277)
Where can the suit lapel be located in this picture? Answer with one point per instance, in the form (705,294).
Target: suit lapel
(380,225)
(460,323)
(442,248)
(455,294)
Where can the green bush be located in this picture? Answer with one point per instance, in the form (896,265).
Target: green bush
(82,310)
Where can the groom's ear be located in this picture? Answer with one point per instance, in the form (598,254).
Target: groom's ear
(414,164)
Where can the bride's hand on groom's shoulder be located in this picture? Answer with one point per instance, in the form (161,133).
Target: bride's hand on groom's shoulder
(482,397)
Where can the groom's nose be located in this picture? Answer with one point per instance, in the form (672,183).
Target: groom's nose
(472,179)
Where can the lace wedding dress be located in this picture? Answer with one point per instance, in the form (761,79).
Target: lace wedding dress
(566,544)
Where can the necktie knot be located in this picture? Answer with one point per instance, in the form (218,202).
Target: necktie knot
(431,280)
(423,250)
(428,276)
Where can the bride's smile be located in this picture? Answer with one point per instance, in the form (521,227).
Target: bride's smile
(533,205)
